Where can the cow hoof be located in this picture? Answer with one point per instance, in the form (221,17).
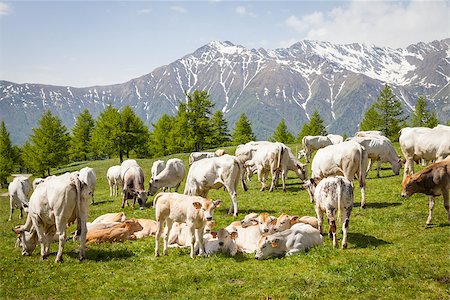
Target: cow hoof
(59,260)
(344,246)
(81,258)
(363,206)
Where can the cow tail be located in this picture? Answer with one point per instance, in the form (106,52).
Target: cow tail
(280,153)
(339,192)
(363,164)
(304,142)
(76,181)
(241,175)
(156,199)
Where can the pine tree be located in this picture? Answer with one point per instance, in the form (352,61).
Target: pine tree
(243,132)
(134,133)
(50,143)
(180,135)
(371,120)
(219,130)
(422,116)
(390,111)
(432,120)
(282,134)
(198,113)
(81,139)
(107,135)
(316,126)
(160,139)
(6,155)
(304,132)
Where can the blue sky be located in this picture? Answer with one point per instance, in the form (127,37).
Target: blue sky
(85,43)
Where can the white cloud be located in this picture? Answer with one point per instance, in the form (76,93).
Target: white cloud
(243,11)
(179,9)
(5,9)
(394,24)
(144,11)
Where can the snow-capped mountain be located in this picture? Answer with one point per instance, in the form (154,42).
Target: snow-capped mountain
(340,81)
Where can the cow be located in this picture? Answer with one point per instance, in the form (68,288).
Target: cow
(313,143)
(335,138)
(310,220)
(250,230)
(56,203)
(222,241)
(331,194)
(195,211)
(133,187)
(213,173)
(37,181)
(245,153)
(18,191)
(424,143)
(300,237)
(114,180)
(432,181)
(110,217)
(157,167)
(196,156)
(284,222)
(127,164)
(118,233)
(289,162)
(148,228)
(382,151)
(346,159)
(171,176)
(179,236)
(87,175)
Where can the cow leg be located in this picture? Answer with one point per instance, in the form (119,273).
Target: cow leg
(191,239)
(274,175)
(233,208)
(261,180)
(82,237)
(319,214)
(378,168)
(332,222)
(12,208)
(446,204)
(124,198)
(348,211)
(62,239)
(283,179)
(159,229)
(430,209)
(110,188)
(169,224)
(199,241)
(363,197)
(21,213)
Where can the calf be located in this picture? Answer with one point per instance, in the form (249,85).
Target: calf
(222,241)
(148,228)
(179,236)
(18,191)
(331,194)
(114,180)
(119,233)
(110,217)
(87,175)
(170,177)
(432,181)
(284,222)
(195,211)
(298,238)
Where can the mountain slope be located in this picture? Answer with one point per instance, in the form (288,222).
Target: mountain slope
(340,81)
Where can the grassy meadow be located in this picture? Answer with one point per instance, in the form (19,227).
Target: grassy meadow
(391,253)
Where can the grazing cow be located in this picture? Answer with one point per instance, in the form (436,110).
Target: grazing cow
(313,143)
(110,217)
(432,181)
(424,143)
(195,211)
(300,237)
(347,158)
(171,176)
(56,203)
(18,191)
(213,173)
(133,186)
(222,241)
(148,228)
(335,138)
(331,194)
(114,180)
(381,151)
(250,230)
(118,233)
(127,164)
(36,182)
(196,156)
(289,162)
(157,167)
(87,175)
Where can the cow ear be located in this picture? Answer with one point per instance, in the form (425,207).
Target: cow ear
(294,220)
(197,205)
(214,234)
(217,203)
(234,235)
(275,242)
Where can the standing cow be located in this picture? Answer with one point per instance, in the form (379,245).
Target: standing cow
(87,175)
(18,190)
(170,177)
(133,186)
(114,180)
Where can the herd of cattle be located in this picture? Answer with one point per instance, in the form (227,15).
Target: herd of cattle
(186,219)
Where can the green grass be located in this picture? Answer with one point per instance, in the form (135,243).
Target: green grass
(391,254)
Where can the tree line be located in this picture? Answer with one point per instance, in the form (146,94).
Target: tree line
(195,127)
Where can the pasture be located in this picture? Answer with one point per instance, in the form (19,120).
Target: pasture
(391,253)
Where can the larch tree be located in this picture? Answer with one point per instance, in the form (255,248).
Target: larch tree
(180,132)
(107,135)
(219,130)
(243,132)
(134,133)
(198,111)
(160,139)
(6,155)
(391,113)
(282,134)
(81,139)
(422,117)
(314,127)
(371,120)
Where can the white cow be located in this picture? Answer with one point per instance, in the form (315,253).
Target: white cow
(222,241)
(381,151)
(312,143)
(114,180)
(195,211)
(347,158)
(335,138)
(170,177)
(37,181)
(300,237)
(196,156)
(245,153)
(87,175)
(133,186)
(157,167)
(18,191)
(331,194)
(127,164)
(424,143)
(56,203)
(180,234)
(213,173)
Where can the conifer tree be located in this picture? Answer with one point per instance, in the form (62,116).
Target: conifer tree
(390,111)
(371,120)
(198,113)
(304,132)
(6,155)
(180,133)
(134,133)
(243,132)
(316,126)
(81,139)
(107,135)
(422,117)
(219,130)
(160,138)
(282,134)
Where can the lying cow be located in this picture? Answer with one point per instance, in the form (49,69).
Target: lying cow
(18,191)
(179,236)
(195,211)
(110,217)
(298,238)
(87,175)
(56,203)
(119,233)
(170,177)
(333,195)
(432,181)
(114,180)
(148,228)
(222,241)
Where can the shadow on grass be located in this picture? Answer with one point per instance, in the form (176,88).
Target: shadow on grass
(378,204)
(432,225)
(102,202)
(363,241)
(103,255)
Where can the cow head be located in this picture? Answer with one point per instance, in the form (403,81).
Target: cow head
(396,166)
(310,185)
(302,171)
(224,237)
(26,240)
(209,225)
(268,246)
(249,220)
(141,197)
(207,208)
(265,222)
(408,186)
(285,222)
(152,187)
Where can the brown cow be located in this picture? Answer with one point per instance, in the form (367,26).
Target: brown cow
(118,233)
(433,181)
